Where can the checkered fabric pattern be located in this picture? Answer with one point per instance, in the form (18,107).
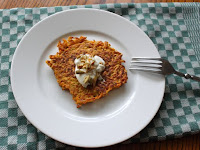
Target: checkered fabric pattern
(174,29)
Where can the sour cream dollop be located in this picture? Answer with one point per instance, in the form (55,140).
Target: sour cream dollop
(88,69)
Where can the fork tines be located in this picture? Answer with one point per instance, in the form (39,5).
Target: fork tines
(146,64)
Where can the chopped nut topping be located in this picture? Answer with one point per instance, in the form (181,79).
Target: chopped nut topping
(87,78)
(79,72)
(80,65)
(94,81)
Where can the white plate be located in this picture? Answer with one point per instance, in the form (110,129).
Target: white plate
(118,116)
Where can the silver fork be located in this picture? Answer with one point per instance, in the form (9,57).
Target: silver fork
(157,65)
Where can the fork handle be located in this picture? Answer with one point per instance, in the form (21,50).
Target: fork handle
(188,76)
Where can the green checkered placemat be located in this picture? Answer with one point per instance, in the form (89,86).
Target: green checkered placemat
(175,30)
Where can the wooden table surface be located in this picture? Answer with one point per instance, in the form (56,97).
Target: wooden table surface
(191,142)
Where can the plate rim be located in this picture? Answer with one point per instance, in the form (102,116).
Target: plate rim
(49,17)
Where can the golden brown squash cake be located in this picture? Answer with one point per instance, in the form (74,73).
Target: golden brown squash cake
(62,63)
